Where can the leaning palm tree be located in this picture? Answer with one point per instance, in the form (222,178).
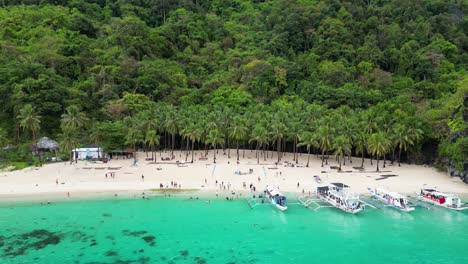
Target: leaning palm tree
(342,148)
(238,131)
(73,118)
(325,134)
(69,141)
(152,140)
(215,138)
(309,140)
(29,119)
(378,145)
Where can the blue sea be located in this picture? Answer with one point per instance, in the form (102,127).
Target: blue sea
(181,230)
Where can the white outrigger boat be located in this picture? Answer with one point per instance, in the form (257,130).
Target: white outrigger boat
(449,201)
(392,199)
(339,195)
(276,197)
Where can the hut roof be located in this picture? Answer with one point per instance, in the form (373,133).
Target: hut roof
(47,143)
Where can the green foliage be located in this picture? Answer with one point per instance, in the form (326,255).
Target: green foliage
(103,63)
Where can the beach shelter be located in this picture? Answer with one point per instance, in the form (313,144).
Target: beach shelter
(86,153)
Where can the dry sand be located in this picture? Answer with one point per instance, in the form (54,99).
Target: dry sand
(87,179)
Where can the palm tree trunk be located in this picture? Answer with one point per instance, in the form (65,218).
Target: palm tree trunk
(214,153)
(278,143)
(378,164)
(384,161)
(193,145)
(399,157)
(237,145)
(339,162)
(186,155)
(308,157)
(152,154)
(71,157)
(393,155)
(362,163)
(173,143)
(323,156)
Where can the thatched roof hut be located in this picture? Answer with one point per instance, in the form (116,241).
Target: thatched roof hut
(47,144)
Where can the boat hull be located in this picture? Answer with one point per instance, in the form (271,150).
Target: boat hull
(403,209)
(423,199)
(344,209)
(279,207)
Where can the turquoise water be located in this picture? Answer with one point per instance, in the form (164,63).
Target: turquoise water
(179,230)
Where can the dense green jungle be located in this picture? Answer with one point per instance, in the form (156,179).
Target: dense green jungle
(368,78)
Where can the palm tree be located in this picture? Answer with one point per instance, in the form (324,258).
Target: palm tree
(309,140)
(401,140)
(215,138)
(73,118)
(238,131)
(69,141)
(278,131)
(342,147)
(259,135)
(325,133)
(378,145)
(29,119)
(152,139)
(194,133)
(133,137)
(360,142)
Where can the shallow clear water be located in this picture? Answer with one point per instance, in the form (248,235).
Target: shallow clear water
(179,230)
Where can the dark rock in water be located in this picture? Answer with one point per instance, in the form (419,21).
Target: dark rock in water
(93,243)
(141,250)
(200,260)
(110,237)
(111,253)
(149,240)
(163,258)
(36,239)
(127,232)
(107,215)
(184,253)
(231,262)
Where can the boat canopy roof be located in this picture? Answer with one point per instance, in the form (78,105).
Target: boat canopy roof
(429,190)
(392,194)
(340,185)
(435,192)
(273,191)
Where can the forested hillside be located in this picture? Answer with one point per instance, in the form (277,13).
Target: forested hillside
(370,77)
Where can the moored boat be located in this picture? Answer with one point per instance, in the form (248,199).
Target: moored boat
(446,200)
(392,199)
(339,195)
(276,197)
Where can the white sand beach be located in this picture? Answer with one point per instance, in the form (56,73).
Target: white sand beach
(85,178)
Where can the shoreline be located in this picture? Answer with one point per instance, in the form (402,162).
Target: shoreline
(205,178)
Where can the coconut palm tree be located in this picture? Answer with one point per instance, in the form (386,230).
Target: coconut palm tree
(29,119)
(69,141)
(401,140)
(215,138)
(133,137)
(73,118)
(238,131)
(278,132)
(325,137)
(378,145)
(259,135)
(194,133)
(342,147)
(152,140)
(360,142)
(309,140)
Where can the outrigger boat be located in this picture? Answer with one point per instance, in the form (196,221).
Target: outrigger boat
(276,197)
(392,199)
(339,195)
(449,201)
